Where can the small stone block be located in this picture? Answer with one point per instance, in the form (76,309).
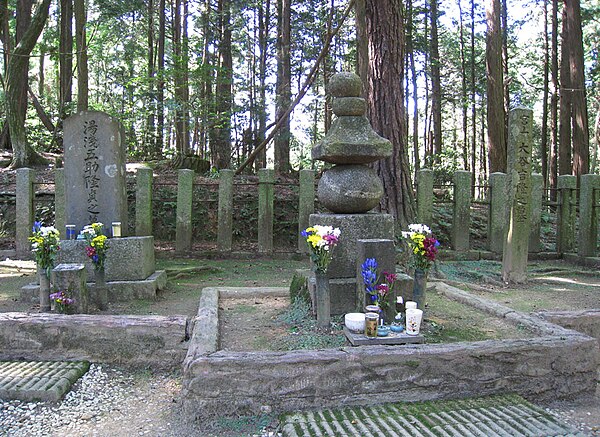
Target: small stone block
(39,380)
(390,339)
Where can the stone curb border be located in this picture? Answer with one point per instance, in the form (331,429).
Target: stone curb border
(559,363)
(157,342)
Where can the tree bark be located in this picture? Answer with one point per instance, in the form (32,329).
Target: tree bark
(16,87)
(495,86)
(224,89)
(554,96)
(464,98)
(264,16)
(65,56)
(564,129)
(160,70)
(385,90)
(283,90)
(546,83)
(82,56)
(436,86)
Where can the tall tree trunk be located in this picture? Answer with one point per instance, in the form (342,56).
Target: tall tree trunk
(385,89)
(436,86)
(415,89)
(16,85)
(579,113)
(160,70)
(224,88)
(178,79)
(82,57)
(66,56)
(544,140)
(505,60)
(564,129)
(150,137)
(284,86)
(464,98)
(473,101)
(264,17)
(554,96)
(495,97)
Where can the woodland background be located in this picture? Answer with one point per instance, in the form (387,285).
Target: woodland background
(217,79)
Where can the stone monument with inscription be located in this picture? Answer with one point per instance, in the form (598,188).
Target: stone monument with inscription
(514,257)
(350,189)
(95,189)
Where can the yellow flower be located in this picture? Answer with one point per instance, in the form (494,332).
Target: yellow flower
(314,239)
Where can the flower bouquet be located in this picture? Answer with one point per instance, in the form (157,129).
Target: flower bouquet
(321,240)
(62,302)
(44,245)
(378,289)
(97,244)
(422,244)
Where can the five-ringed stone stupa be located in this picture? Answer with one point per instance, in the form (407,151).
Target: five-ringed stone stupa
(350,189)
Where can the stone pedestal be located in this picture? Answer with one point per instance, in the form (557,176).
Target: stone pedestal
(71,279)
(342,270)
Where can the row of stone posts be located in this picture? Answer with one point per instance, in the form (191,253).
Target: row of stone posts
(589,196)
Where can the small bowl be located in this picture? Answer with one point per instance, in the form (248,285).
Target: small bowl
(383,331)
(355,322)
(397,328)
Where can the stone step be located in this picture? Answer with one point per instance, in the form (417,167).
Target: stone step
(39,380)
(507,416)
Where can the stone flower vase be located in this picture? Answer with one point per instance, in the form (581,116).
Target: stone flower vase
(419,288)
(322,300)
(44,289)
(101,289)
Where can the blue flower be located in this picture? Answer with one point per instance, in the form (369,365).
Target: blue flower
(95,258)
(304,234)
(36,227)
(369,274)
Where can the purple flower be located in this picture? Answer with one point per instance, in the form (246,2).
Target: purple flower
(36,227)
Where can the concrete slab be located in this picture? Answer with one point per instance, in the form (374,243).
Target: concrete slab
(39,380)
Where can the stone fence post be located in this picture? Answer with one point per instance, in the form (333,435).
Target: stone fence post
(225,214)
(306,205)
(461,218)
(424,196)
(498,212)
(143,202)
(589,195)
(60,202)
(24,211)
(183,232)
(266,182)
(535,219)
(567,213)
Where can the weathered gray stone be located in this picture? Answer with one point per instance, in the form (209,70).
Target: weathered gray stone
(589,197)
(349,106)
(183,231)
(498,212)
(59,202)
(384,252)
(585,321)
(225,213)
(141,341)
(266,182)
(344,84)
(94,170)
(353,227)
(514,257)
(71,278)
(424,196)
(205,335)
(351,140)
(127,259)
(567,213)
(347,189)
(342,300)
(306,205)
(34,381)
(461,217)
(24,211)
(535,221)
(143,202)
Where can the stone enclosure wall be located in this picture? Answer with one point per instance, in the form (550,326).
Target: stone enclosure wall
(558,363)
(576,210)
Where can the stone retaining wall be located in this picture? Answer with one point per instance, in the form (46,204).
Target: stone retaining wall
(560,363)
(139,341)
(587,321)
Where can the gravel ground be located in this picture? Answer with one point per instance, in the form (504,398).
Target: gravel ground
(112,402)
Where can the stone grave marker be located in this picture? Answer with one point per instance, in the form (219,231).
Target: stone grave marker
(95,189)
(514,258)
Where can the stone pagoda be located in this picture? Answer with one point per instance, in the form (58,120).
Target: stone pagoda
(350,189)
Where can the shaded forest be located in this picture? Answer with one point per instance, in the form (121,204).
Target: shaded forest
(241,84)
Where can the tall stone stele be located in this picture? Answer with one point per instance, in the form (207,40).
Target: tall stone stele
(350,189)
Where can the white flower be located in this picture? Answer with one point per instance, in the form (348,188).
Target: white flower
(336,232)
(419,228)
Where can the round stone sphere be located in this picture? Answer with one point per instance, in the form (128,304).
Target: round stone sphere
(352,106)
(344,84)
(350,189)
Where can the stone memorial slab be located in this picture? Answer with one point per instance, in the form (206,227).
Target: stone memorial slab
(71,278)
(95,189)
(392,338)
(514,258)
